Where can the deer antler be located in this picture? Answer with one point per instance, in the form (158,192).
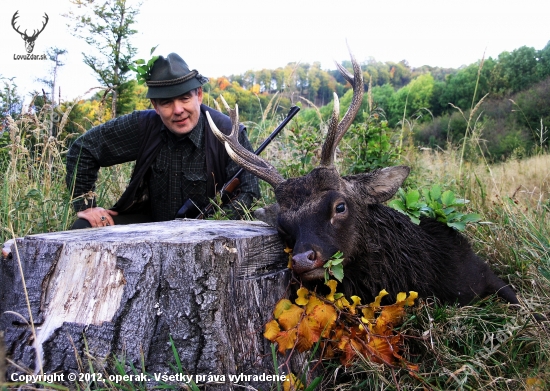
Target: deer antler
(242,156)
(337,130)
(15,16)
(35,34)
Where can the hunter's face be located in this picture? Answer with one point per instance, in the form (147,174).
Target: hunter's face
(180,114)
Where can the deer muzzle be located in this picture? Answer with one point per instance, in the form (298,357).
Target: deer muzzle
(308,265)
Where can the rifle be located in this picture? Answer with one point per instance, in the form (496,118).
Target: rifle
(232,184)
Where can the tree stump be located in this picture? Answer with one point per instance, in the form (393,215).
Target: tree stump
(127,291)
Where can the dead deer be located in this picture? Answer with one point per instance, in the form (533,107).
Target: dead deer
(322,212)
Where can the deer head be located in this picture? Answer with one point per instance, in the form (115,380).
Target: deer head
(319,213)
(29,40)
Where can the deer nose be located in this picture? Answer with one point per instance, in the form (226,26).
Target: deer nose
(306,261)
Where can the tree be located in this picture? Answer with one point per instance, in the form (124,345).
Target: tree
(543,66)
(106,26)
(408,100)
(520,67)
(53,55)
(382,96)
(314,80)
(10,101)
(263,78)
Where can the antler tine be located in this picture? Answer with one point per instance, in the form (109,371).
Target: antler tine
(336,132)
(327,153)
(13,20)
(242,156)
(35,34)
(233,137)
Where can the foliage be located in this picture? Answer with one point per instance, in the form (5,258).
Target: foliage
(54,54)
(408,100)
(345,330)
(11,102)
(438,205)
(334,267)
(371,146)
(107,28)
(143,67)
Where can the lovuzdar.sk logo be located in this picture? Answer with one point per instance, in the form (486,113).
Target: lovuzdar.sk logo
(29,39)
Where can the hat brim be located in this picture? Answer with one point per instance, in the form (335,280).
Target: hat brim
(173,91)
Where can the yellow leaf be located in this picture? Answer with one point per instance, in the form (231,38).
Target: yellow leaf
(290,317)
(368,313)
(288,250)
(309,332)
(342,303)
(292,383)
(382,349)
(255,89)
(534,384)
(389,317)
(271,330)
(376,303)
(350,352)
(356,301)
(342,342)
(302,296)
(282,305)
(313,302)
(401,296)
(367,322)
(325,314)
(286,340)
(412,297)
(332,285)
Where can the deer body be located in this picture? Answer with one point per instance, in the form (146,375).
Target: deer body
(321,213)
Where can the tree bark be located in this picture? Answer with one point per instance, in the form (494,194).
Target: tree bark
(126,291)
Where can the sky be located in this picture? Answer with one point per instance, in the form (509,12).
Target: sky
(224,37)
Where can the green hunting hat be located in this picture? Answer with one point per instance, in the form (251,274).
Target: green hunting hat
(171,77)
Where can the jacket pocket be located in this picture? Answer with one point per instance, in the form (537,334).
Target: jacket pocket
(195,182)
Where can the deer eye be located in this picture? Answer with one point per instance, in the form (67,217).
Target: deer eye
(341,207)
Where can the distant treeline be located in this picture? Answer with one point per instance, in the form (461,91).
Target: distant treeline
(428,96)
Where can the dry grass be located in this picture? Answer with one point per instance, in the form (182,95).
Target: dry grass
(526,180)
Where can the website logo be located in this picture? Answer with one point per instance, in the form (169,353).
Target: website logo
(29,40)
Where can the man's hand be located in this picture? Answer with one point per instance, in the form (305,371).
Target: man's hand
(98,217)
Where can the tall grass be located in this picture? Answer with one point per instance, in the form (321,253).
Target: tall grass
(33,194)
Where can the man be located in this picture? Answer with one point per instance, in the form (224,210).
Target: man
(177,156)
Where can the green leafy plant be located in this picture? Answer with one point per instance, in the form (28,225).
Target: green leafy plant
(371,146)
(442,206)
(334,267)
(143,68)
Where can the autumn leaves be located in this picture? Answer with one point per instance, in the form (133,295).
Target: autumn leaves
(342,328)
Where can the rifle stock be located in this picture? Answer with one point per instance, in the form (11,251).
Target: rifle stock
(233,184)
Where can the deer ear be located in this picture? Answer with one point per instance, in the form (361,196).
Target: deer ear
(268,214)
(379,185)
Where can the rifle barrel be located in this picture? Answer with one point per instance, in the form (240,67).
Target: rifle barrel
(291,113)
